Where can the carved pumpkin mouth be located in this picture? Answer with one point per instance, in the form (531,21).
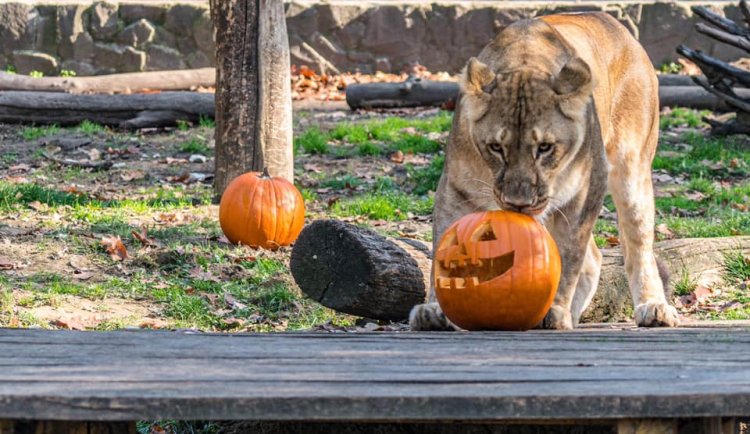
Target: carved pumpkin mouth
(469,264)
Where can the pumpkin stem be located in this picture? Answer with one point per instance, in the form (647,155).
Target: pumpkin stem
(265,174)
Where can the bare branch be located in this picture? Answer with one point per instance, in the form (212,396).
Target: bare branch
(719,21)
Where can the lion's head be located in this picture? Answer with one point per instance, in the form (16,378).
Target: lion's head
(525,103)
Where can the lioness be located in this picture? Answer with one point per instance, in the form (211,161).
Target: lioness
(553,112)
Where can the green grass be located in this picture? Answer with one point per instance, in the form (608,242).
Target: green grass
(684,284)
(194,146)
(368,149)
(90,128)
(312,141)
(206,122)
(683,117)
(732,154)
(37,132)
(36,74)
(425,179)
(736,267)
(177,427)
(374,138)
(18,196)
(341,182)
(387,206)
(671,67)
(183,125)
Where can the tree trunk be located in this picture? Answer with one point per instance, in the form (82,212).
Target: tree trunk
(356,271)
(253,90)
(133,82)
(123,111)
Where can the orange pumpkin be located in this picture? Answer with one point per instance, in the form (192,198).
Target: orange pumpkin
(496,270)
(260,211)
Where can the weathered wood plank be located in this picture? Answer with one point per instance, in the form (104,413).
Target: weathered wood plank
(596,374)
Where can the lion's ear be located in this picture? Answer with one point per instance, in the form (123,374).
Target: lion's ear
(574,78)
(477,78)
(573,84)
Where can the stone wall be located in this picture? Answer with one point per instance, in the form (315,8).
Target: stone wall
(346,35)
(104,37)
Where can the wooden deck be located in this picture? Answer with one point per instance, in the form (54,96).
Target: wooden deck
(583,375)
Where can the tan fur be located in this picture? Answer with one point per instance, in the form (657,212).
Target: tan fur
(554,112)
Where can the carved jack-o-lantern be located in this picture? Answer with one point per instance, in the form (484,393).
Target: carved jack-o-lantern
(496,270)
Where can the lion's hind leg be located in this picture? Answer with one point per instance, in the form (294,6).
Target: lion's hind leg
(588,281)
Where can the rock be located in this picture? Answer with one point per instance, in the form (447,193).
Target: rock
(198,158)
(186,45)
(351,35)
(103,20)
(160,57)
(15,17)
(42,29)
(81,68)
(164,38)
(83,48)
(199,59)
(27,61)
(383,64)
(179,19)
(137,34)
(118,58)
(203,32)
(70,27)
(134,12)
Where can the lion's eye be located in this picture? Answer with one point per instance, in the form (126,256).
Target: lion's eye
(545,147)
(496,147)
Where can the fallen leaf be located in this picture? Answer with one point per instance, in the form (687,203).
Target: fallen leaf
(6,264)
(232,302)
(115,247)
(82,275)
(663,230)
(740,207)
(132,175)
(38,206)
(695,196)
(198,274)
(19,168)
(142,236)
(69,323)
(701,293)
(397,157)
(173,161)
(153,323)
(311,168)
(93,154)
(613,241)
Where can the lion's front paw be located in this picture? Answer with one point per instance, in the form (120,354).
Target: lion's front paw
(558,318)
(656,314)
(429,317)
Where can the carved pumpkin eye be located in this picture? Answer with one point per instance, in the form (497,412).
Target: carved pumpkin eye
(545,147)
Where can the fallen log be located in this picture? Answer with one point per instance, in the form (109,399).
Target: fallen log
(135,82)
(682,92)
(414,92)
(722,79)
(357,271)
(122,111)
